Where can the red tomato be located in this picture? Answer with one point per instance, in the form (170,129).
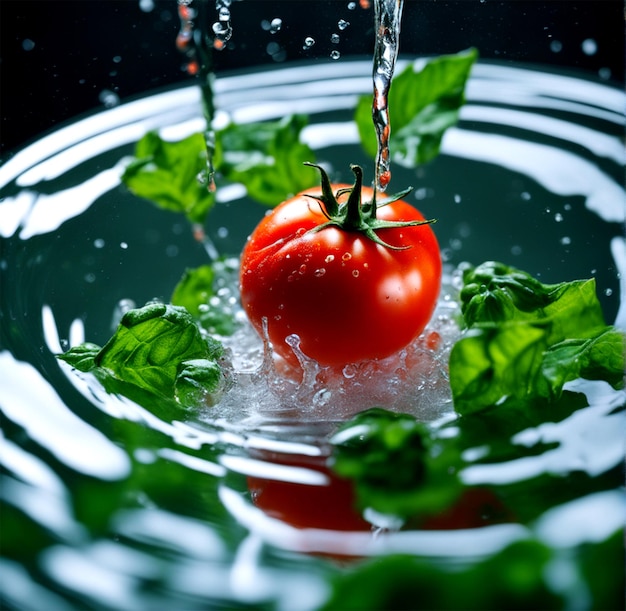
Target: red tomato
(347,297)
(332,506)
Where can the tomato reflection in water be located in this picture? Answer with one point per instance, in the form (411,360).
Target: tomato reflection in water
(334,506)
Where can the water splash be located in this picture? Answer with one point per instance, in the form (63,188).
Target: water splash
(388,14)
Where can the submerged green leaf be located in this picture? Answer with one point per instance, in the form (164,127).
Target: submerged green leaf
(424,101)
(169,174)
(397,466)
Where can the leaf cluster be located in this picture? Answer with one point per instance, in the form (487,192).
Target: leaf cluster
(160,350)
(525,339)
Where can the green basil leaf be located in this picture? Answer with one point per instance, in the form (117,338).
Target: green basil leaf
(152,345)
(491,363)
(167,174)
(81,357)
(597,358)
(527,339)
(396,466)
(267,158)
(494,292)
(519,571)
(424,101)
(200,382)
(198,292)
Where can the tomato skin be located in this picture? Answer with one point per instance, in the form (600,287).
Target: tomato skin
(332,506)
(346,297)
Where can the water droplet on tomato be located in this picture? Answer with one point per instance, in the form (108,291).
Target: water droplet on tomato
(319,272)
(329,258)
(346,256)
(302,269)
(355,273)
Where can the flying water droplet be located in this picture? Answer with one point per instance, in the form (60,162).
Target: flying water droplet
(589,46)
(109,98)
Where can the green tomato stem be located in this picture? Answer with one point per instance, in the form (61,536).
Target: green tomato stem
(355,215)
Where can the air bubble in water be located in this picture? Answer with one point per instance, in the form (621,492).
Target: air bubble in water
(28,44)
(146,5)
(335,54)
(566,240)
(457,199)
(342,24)
(98,243)
(308,42)
(589,46)
(335,39)
(558,217)
(351,6)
